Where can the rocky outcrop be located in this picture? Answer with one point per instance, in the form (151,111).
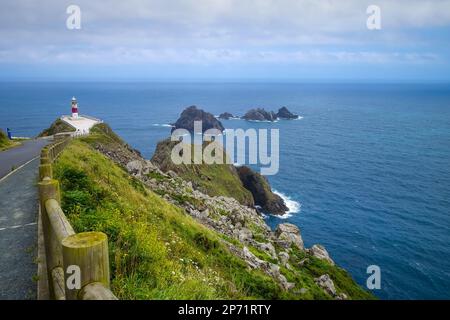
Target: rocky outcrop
(226,116)
(325,282)
(260,114)
(244,230)
(284,113)
(261,191)
(110,144)
(191,114)
(320,252)
(287,235)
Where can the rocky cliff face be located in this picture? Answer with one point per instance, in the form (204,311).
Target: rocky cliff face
(261,191)
(191,114)
(279,254)
(214,180)
(241,223)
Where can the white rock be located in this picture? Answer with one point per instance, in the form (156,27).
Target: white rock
(320,252)
(325,282)
(289,234)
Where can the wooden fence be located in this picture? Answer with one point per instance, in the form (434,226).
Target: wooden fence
(77,263)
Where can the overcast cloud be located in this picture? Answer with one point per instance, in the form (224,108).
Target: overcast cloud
(224,32)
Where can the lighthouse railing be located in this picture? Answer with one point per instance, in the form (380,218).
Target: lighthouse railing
(76,264)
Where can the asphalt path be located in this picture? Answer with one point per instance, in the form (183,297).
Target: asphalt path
(15,157)
(18,233)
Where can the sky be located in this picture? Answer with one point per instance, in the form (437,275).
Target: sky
(308,40)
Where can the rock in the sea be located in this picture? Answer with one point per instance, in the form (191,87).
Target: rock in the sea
(226,116)
(320,252)
(289,234)
(325,282)
(260,114)
(261,191)
(284,113)
(191,114)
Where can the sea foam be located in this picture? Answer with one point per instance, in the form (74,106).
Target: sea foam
(293,206)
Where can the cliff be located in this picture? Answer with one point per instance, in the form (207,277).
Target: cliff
(214,180)
(169,240)
(261,191)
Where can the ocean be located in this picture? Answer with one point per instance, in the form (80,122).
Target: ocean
(365,171)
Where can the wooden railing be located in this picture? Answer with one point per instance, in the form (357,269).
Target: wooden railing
(77,264)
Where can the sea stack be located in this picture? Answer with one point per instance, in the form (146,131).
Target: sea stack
(226,116)
(260,114)
(284,113)
(191,114)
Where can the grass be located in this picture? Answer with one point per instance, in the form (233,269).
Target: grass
(5,143)
(57,126)
(212,179)
(157,251)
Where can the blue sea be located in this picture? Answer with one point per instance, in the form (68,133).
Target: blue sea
(366,170)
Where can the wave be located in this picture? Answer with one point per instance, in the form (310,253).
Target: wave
(293,206)
(266,121)
(162,125)
(231,118)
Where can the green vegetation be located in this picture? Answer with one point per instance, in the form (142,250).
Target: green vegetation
(103,134)
(214,180)
(157,251)
(5,143)
(57,126)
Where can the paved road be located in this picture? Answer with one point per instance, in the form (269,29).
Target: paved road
(15,157)
(18,233)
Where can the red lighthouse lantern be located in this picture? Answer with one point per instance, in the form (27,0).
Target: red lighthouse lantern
(74,108)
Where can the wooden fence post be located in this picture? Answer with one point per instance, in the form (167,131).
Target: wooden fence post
(49,189)
(88,251)
(45,160)
(45,170)
(44,152)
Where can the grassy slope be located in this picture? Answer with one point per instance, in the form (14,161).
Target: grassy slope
(214,180)
(5,143)
(57,126)
(157,251)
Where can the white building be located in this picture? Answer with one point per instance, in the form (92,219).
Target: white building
(81,123)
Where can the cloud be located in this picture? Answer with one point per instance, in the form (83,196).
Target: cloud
(222,31)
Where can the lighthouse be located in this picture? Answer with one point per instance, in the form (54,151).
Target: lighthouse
(74,108)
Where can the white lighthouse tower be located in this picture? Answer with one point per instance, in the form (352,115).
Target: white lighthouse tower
(74,108)
(81,123)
